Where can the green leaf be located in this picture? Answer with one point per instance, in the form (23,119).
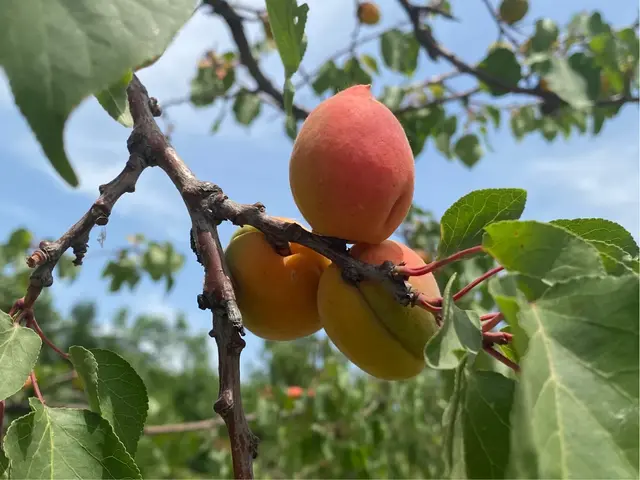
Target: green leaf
(329,77)
(589,70)
(122,271)
(459,335)
(603,230)
(545,35)
(615,260)
(392,97)
(502,65)
(567,83)
(288,20)
(485,423)
(18,243)
(578,391)
(541,250)
(114,391)
(4,464)
(370,62)
(453,448)
(399,51)
(66,268)
(246,107)
(523,120)
(52,443)
(462,224)
(355,74)
(209,84)
(494,113)
(468,149)
(75,52)
(116,102)
(19,350)
(510,293)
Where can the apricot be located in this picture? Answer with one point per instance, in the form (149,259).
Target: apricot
(277,295)
(376,333)
(368,13)
(352,172)
(512,11)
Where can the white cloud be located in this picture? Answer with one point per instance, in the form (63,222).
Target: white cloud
(606,178)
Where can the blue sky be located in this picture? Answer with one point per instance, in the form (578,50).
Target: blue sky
(582,177)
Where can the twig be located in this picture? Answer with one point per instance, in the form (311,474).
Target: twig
(490,320)
(430,267)
(476,282)
(502,31)
(501,358)
(36,387)
(280,232)
(184,427)
(234,22)
(339,53)
(218,294)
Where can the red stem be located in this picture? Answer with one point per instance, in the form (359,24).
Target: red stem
(430,267)
(36,387)
(429,304)
(31,322)
(476,282)
(501,358)
(497,337)
(490,320)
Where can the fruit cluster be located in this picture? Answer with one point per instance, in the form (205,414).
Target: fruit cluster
(352,177)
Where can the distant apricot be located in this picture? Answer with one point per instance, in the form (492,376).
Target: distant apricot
(295,392)
(368,13)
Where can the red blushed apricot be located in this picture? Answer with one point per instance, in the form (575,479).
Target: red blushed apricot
(352,171)
(276,295)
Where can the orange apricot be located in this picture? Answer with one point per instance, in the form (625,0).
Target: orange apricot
(368,13)
(352,171)
(364,321)
(277,295)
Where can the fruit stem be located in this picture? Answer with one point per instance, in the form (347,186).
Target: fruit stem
(405,271)
(490,320)
(501,338)
(477,282)
(36,387)
(501,358)
(430,304)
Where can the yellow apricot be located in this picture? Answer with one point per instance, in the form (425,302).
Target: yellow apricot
(376,333)
(352,170)
(277,295)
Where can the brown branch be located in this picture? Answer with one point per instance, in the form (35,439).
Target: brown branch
(280,233)
(436,50)
(234,22)
(45,258)
(218,294)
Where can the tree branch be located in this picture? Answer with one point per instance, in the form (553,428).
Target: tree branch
(436,50)
(218,294)
(234,22)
